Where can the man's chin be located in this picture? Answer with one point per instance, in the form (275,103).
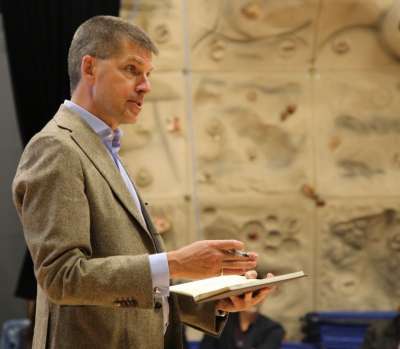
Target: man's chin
(131,118)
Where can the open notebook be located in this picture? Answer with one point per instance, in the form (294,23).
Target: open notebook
(224,286)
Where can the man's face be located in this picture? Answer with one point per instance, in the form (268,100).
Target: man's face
(120,83)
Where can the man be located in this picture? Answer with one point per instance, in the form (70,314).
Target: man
(245,330)
(103,278)
(383,334)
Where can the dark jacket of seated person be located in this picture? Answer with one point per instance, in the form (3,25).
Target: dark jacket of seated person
(383,335)
(246,330)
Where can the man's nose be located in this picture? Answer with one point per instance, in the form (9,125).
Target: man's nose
(144,85)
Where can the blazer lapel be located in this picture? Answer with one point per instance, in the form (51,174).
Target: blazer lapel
(158,241)
(149,224)
(92,146)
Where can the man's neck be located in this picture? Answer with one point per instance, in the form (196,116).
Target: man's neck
(82,102)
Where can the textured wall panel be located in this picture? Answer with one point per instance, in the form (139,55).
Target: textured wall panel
(280,229)
(357,127)
(280,126)
(162,20)
(155,149)
(350,34)
(251,35)
(173,219)
(252,132)
(359,256)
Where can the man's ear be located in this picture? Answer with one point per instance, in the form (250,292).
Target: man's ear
(88,68)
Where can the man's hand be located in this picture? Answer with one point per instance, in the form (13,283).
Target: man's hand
(246,301)
(208,258)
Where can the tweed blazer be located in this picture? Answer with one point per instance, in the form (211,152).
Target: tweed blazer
(90,247)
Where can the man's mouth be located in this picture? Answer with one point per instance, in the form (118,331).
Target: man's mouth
(138,104)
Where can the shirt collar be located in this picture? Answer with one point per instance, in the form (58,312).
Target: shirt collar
(109,137)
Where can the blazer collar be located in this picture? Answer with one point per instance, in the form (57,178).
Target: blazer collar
(95,150)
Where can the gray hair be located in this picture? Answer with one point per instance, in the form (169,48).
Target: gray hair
(101,37)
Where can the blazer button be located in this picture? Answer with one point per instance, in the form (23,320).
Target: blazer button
(157,305)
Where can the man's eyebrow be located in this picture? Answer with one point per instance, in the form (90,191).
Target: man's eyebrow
(139,61)
(136,59)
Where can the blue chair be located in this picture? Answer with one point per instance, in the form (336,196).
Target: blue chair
(342,330)
(193,345)
(14,333)
(297,345)
(285,345)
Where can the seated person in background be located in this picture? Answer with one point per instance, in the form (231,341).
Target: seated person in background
(247,330)
(383,334)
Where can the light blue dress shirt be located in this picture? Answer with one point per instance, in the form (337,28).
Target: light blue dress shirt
(111,140)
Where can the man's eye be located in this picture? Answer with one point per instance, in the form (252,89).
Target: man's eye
(132,69)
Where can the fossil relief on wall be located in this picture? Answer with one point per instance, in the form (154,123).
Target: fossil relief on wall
(360,256)
(173,220)
(357,34)
(277,122)
(359,134)
(280,230)
(154,148)
(252,135)
(260,34)
(162,20)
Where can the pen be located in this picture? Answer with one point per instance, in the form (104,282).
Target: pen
(235,253)
(238,253)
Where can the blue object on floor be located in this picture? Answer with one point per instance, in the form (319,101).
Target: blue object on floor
(285,345)
(297,345)
(193,345)
(349,336)
(13,334)
(342,330)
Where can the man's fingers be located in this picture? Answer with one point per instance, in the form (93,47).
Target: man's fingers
(246,301)
(228,271)
(251,274)
(248,298)
(261,295)
(239,265)
(225,305)
(237,301)
(226,244)
(228,256)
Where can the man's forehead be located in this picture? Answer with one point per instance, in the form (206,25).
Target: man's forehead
(139,55)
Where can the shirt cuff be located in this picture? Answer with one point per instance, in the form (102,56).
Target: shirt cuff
(160,273)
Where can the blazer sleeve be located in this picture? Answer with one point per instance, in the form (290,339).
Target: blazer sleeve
(49,194)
